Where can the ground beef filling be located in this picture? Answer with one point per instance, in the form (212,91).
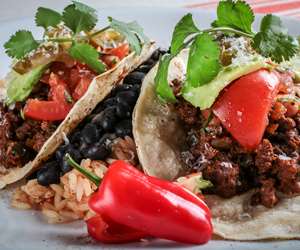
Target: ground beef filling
(272,168)
(20,139)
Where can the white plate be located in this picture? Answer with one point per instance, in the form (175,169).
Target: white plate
(25,230)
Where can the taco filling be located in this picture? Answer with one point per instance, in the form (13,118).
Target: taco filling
(49,76)
(271,166)
(104,136)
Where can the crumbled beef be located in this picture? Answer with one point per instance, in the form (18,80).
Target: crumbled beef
(224,176)
(277,111)
(287,170)
(264,157)
(268,193)
(20,139)
(273,167)
(187,112)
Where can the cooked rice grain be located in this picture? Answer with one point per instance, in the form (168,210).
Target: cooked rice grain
(68,201)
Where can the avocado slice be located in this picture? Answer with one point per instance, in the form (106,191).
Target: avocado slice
(205,95)
(20,86)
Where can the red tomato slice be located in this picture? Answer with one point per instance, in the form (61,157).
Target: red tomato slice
(46,110)
(244,106)
(120,52)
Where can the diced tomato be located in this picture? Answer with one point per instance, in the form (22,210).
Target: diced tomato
(243,107)
(120,52)
(82,86)
(46,110)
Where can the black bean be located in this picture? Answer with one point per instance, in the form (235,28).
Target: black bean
(98,118)
(136,88)
(122,87)
(99,108)
(144,68)
(107,138)
(75,137)
(49,174)
(123,110)
(60,152)
(74,153)
(65,167)
(155,55)
(135,77)
(97,152)
(90,133)
(107,119)
(127,97)
(149,62)
(124,128)
(109,102)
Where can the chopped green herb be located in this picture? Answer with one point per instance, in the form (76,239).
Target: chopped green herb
(203,63)
(234,14)
(184,28)
(132,31)
(68,97)
(163,89)
(79,17)
(87,54)
(47,18)
(20,44)
(273,40)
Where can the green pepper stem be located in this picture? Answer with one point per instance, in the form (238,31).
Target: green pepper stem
(231,30)
(92,177)
(98,32)
(60,40)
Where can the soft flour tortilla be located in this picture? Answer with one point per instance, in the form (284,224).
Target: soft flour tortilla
(100,87)
(159,137)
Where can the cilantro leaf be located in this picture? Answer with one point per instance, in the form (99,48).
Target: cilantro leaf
(47,18)
(162,87)
(274,41)
(132,31)
(79,17)
(184,28)
(203,63)
(21,43)
(234,14)
(87,54)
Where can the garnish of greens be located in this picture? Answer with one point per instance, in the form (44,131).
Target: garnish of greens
(234,18)
(80,19)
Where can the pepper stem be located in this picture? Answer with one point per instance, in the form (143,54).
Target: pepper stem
(92,177)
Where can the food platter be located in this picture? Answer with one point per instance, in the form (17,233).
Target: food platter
(27,230)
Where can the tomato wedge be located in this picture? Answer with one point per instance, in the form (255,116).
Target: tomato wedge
(58,106)
(46,110)
(112,232)
(243,107)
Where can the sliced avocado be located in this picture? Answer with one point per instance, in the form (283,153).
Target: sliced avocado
(20,86)
(204,96)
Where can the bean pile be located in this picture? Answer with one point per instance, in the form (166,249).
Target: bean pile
(92,139)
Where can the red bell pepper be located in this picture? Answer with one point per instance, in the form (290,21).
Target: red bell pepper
(112,232)
(156,207)
(243,107)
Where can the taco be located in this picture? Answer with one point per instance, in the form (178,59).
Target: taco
(105,135)
(55,83)
(225,117)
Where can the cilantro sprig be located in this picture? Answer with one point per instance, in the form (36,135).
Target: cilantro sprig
(235,18)
(80,20)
